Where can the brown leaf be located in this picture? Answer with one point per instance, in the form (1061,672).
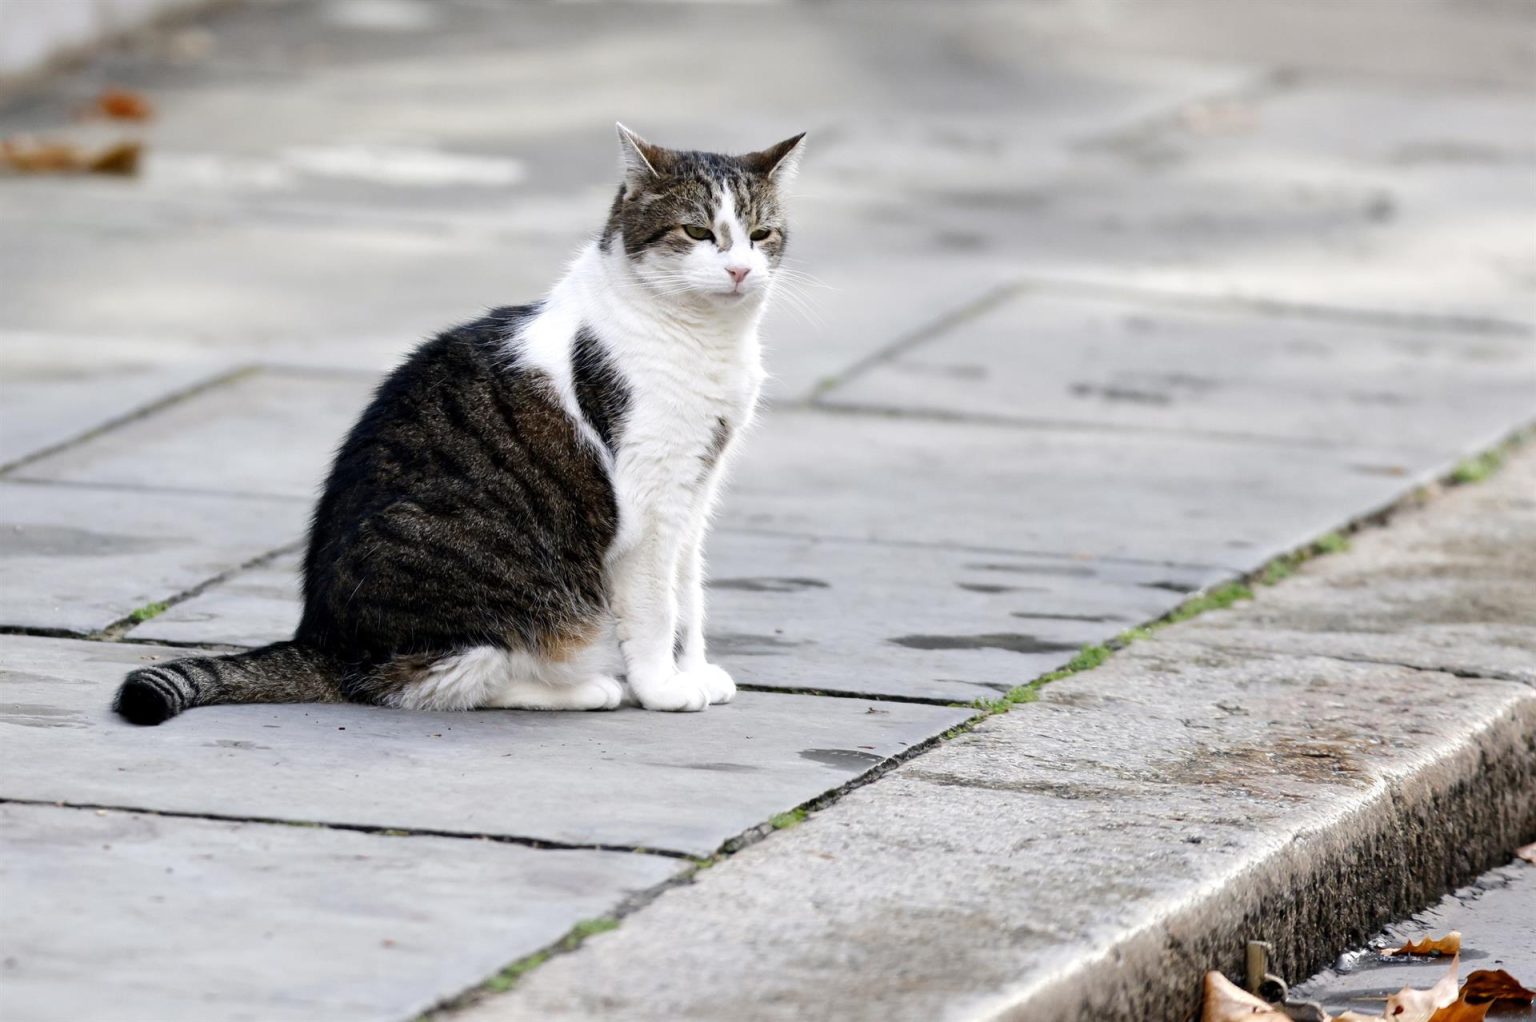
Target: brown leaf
(1494,985)
(1528,853)
(1450,944)
(28,157)
(39,157)
(1410,1005)
(1461,1011)
(1226,1002)
(123,105)
(122,158)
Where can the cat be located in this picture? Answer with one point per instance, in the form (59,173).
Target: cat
(520,512)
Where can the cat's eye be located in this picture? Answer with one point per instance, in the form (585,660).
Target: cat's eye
(761,234)
(698,233)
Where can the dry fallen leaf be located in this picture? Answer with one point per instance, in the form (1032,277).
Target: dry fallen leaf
(39,158)
(1226,1002)
(1410,1005)
(1528,853)
(1450,944)
(1494,985)
(1461,1011)
(27,157)
(122,158)
(122,105)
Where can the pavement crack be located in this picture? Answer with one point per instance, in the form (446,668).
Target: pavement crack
(924,544)
(877,411)
(143,411)
(880,697)
(1455,672)
(906,342)
(119,628)
(189,491)
(362,828)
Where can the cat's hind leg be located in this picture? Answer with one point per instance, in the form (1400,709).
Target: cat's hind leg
(573,679)
(449,681)
(577,677)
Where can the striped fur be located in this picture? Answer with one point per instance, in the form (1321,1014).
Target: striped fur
(518,515)
(284,672)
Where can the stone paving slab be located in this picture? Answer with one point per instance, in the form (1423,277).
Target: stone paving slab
(802,613)
(55,388)
(1447,41)
(116,915)
(1096,360)
(301,279)
(684,782)
(1218,199)
(1446,588)
(80,558)
(269,432)
(1000,874)
(912,479)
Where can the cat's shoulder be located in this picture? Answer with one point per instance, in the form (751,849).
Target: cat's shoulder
(480,342)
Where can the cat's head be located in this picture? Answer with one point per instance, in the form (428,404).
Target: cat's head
(701,226)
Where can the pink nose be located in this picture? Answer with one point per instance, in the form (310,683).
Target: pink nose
(738,273)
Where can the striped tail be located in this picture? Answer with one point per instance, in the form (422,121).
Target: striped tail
(283,672)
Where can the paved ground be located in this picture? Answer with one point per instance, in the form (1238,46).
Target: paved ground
(1117,302)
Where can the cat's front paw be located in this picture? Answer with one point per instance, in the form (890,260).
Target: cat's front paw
(717,682)
(683,692)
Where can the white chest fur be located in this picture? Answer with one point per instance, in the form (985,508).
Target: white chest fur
(692,376)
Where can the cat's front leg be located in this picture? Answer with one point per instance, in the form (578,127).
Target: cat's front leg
(690,594)
(645,609)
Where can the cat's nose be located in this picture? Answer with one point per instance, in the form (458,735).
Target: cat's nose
(738,273)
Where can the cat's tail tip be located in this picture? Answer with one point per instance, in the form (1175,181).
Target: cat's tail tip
(148,696)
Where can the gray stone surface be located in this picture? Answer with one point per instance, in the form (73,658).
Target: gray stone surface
(1154,813)
(684,782)
(803,613)
(203,920)
(55,388)
(80,558)
(995,875)
(296,284)
(1301,189)
(269,432)
(920,480)
(1446,41)
(1446,588)
(1095,360)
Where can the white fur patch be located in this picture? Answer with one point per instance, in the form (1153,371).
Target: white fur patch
(691,360)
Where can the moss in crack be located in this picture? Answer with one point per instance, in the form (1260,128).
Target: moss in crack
(1219,598)
(1285,565)
(784,821)
(1479,467)
(507,978)
(149,610)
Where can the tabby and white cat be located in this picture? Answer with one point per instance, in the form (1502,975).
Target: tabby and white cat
(520,511)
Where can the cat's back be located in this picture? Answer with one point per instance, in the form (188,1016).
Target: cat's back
(466,453)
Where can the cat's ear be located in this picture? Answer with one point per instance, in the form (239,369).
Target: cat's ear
(780,162)
(639,161)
